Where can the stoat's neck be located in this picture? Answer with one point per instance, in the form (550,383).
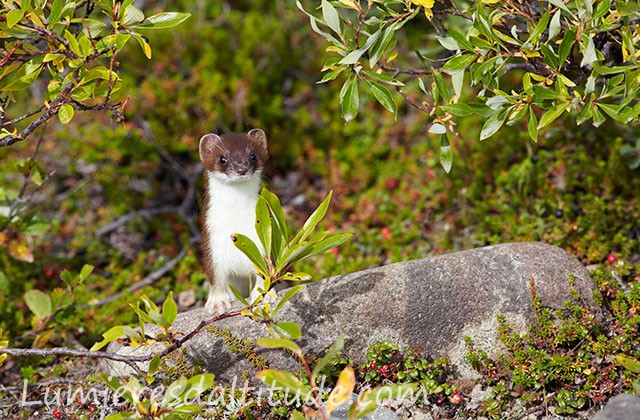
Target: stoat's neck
(233,194)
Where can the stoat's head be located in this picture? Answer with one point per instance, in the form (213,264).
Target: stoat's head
(234,157)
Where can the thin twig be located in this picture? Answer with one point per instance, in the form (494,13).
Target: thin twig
(148,280)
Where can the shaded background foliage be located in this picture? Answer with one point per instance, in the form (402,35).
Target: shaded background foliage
(241,64)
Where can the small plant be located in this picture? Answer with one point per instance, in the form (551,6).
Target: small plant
(386,363)
(565,353)
(175,401)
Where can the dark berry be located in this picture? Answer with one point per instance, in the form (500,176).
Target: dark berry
(534,158)
(559,213)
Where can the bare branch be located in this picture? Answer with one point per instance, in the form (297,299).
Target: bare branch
(65,351)
(148,280)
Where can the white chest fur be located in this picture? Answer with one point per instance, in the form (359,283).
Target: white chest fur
(231,209)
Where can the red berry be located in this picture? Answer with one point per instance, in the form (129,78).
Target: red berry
(455,398)
(386,233)
(56,413)
(611,258)
(335,251)
(49,271)
(391,183)
(431,174)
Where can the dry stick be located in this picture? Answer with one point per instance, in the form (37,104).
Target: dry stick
(147,281)
(146,213)
(125,358)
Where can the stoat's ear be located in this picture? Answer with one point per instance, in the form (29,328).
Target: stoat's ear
(258,137)
(210,145)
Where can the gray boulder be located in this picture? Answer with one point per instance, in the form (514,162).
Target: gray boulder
(621,407)
(431,303)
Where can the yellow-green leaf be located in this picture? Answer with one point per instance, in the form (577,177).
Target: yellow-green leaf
(14,16)
(280,343)
(343,389)
(38,302)
(65,113)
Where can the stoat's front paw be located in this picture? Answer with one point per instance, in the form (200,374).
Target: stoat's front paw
(217,303)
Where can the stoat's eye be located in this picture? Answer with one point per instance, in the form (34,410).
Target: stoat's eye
(253,157)
(222,160)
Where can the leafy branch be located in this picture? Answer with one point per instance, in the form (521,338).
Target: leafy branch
(72,48)
(506,62)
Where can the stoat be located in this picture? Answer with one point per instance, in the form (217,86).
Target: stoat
(233,166)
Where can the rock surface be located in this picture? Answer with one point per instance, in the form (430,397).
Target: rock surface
(430,303)
(621,407)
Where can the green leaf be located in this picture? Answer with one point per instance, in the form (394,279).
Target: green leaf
(55,14)
(555,27)
(327,243)
(132,15)
(560,4)
(289,330)
(238,295)
(331,75)
(163,20)
(532,125)
(144,44)
(383,78)
(383,96)
(542,93)
(169,309)
(552,114)
(263,225)
(382,45)
(250,249)
(314,25)
(333,351)
(196,385)
(628,363)
(286,381)
(39,303)
(296,415)
(443,87)
(565,47)
(65,113)
(461,40)
(85,272)
(331,16)
(14,16)
(457,80)
(173,393)
(313,220)
(280,343)
(446,154)
(459,110)
(540,27)
(108,336)
(349,99)
(493,124)
(588,51)
(154,364)
(288,295)
(458,63)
